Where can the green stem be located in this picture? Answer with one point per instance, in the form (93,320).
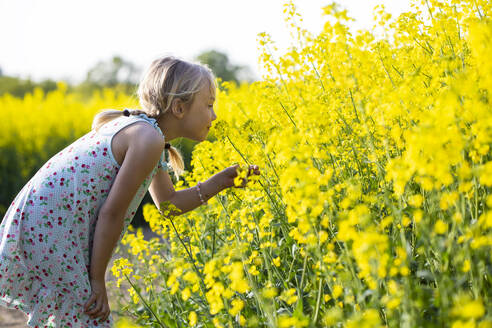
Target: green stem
(353,105)
(145,303)
(303,274)
(387,73)
(286,112)
(202,285)
(318,301)
(213,239)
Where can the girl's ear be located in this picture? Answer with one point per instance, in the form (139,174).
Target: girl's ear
(178,108)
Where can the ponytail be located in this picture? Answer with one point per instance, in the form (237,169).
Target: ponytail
(175,157)
(175,161)
(104,117)
(108,115)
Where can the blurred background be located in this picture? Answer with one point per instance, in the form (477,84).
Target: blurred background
(62,61)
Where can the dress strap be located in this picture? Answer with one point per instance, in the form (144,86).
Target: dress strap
(151,120)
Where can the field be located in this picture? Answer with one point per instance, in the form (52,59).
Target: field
(374,204)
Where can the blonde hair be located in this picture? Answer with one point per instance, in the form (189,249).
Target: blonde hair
(167,79)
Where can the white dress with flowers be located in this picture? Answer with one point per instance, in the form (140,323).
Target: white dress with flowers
(47,233)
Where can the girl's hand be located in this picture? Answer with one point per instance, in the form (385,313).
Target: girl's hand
(231,173)
(99,299)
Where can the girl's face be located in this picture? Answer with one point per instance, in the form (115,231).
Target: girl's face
(200,114)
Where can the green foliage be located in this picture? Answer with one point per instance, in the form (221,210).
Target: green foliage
(19,87)
(220,65)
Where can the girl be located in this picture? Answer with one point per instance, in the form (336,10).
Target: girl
(59,233)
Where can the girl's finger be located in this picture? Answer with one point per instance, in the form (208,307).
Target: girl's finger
(100,314)
(104,311)
(91,300)
(106,315)
(96,309)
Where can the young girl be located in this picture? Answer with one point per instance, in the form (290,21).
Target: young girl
(59,233)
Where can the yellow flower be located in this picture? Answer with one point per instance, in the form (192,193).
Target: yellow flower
(486,174)
(237,305)
(126,323)
(252,269)
(366,319)
(192,318)
(406,221)
(457,217)
(123,266)
(337,291)
(217,323)
(269,293)
(404,271)
(415,200)
(418,214)
(214,298)
(393,303)
(323,236)
(464,324)
(185,294)
(472,309)
(238,283)
(440,227)
(393,287)
(134,295)
(191,277)
(448,199)
(468,308)
(489,201)
(332,316)
(289,296)
(285,321)
(242,172)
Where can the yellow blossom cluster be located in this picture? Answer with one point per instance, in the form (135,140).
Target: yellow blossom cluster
(374,204)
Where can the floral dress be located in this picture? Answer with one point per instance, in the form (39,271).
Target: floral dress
(47,233)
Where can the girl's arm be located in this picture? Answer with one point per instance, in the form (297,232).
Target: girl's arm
(141,157)
(161,189)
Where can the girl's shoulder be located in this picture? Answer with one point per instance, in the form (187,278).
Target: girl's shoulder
(141,132)
(116,125)
(137,133)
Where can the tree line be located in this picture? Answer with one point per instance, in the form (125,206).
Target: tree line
(123,75)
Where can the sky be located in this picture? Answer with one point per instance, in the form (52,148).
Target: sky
(63,39)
